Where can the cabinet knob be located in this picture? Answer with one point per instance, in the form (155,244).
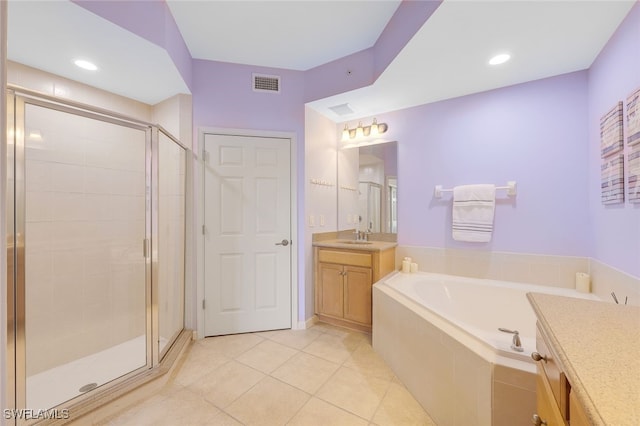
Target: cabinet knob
(536,420)
(537,357)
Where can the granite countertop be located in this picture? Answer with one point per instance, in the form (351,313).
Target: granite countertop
(598,348)
(343,243)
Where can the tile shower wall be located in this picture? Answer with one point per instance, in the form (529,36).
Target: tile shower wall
(85,222)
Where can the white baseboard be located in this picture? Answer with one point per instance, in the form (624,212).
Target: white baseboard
(302,325)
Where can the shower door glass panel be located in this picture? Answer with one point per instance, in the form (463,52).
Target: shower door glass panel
(85,271)
(171,240)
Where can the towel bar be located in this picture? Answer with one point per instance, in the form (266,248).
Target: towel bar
(512,189)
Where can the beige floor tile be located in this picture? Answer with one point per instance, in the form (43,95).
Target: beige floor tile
(224,385)
(129,409)
(266,356)
(342,332)
(198,362)
(333,348)
(332,329)
(317,412)
(306,372)
(366,361)
(400,408)
(270,402)
(355,392)
(296,339)
(351,383)
(231,345)
(184,408)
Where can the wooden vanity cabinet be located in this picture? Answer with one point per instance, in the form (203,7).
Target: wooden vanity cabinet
(578,416)
(555,403)
(343,281)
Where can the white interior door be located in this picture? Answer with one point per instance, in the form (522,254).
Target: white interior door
(247,227)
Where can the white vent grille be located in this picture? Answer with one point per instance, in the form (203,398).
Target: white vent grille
(266,83)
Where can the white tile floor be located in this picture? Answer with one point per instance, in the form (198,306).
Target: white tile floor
(320,376)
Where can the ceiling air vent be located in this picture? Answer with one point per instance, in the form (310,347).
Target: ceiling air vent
(266,83)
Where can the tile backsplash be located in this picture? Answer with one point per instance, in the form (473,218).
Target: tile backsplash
(555,271)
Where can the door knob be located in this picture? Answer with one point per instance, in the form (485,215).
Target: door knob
(537,357)
(283,243)
(537,420)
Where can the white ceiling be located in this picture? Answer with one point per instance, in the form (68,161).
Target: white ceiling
(449,56)
(296,35)
(50,35)
(446,58)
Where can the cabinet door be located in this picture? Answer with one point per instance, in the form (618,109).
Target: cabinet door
(546,403)
(331,289)
(578,416)
(357,294)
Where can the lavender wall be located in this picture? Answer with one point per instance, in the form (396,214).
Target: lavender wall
(533,133)
(339,76)
(223,97)
(612,77)
(363,68)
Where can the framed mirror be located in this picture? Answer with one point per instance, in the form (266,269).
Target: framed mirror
(368,188)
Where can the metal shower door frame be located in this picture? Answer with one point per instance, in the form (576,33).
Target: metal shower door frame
(17,99)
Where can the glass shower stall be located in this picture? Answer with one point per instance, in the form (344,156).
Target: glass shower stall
(96,237)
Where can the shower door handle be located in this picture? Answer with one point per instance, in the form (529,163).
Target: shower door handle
(145,248)
(283,243)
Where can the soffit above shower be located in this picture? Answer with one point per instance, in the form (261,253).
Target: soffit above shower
(50,35)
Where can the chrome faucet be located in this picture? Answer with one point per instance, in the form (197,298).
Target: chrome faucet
(516,344)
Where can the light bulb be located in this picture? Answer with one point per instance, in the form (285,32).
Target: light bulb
(345,133)
(499,59)
(359,131)
(86,65)
(374,128)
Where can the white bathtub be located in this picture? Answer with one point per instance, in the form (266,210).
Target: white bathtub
(439,333)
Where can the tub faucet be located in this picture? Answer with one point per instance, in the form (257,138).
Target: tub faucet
(516,344)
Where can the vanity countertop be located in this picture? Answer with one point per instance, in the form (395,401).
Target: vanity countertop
(598,346)
(343,243)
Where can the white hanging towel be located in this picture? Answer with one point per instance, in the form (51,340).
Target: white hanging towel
(473,209)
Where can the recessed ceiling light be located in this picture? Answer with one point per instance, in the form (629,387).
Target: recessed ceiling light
(499,59)
(86,65)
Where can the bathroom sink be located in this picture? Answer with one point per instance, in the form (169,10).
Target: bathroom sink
(354,242)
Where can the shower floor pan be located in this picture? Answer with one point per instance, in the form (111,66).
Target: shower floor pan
(59,384)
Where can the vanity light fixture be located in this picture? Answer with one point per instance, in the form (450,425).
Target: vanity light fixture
(499,59)
(85,65)
(374,128)
(360,132)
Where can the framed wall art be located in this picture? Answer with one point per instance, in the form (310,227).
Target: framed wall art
(612,179)
(611,136)
(633,118)
(633,181)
